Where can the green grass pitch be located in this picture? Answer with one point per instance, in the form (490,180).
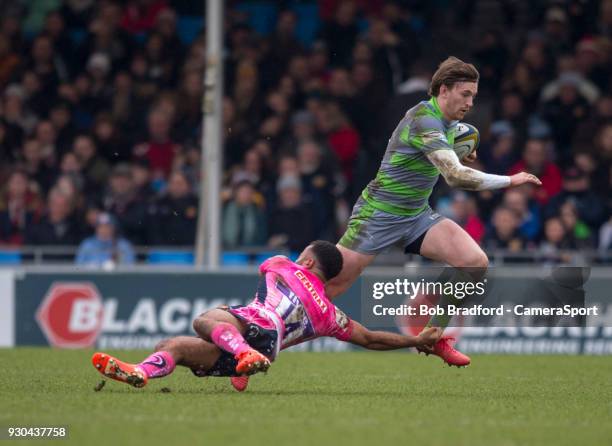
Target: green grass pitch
(367,398)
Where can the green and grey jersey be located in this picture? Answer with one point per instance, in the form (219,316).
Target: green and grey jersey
(406,177)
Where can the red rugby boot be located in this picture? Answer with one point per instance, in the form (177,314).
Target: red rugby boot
(444,349)
(239,383)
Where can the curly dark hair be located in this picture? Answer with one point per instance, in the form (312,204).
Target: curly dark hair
(328,257)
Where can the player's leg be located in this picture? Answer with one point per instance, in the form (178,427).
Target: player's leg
(446,242)
(369,231)
(353,264)
(226,331)
(187,351)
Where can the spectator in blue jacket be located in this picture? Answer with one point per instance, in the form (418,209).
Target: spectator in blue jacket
(105,248)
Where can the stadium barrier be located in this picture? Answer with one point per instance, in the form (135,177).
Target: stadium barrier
(138,307)
(174,255)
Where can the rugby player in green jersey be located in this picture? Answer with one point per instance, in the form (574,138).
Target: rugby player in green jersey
(394,206)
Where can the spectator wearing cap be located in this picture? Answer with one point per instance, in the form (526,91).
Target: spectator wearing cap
(59,226)
(244,222)
(121,199)
(302,129)
(577,188)
(105,248)
(537,162)
(291,222)
(173,217)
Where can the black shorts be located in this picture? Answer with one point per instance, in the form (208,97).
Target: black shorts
(261,339)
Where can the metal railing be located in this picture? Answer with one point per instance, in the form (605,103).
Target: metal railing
(45,255)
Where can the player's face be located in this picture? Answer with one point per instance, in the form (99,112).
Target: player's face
(459,99)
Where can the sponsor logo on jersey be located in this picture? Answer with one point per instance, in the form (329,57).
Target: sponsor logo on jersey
(311,289)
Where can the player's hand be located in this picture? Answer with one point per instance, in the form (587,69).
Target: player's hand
(429,336)
(524,177)
(471,157)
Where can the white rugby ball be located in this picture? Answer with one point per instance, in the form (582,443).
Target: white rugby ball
(467,138)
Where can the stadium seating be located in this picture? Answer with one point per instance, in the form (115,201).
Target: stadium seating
(169,257)
(10,257)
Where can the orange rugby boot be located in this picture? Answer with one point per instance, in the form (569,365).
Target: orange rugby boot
(250,362)
(118,370)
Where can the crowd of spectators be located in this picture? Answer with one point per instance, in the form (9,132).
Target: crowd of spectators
(100,121)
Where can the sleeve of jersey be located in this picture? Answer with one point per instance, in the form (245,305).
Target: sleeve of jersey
(344,326)
(427,134)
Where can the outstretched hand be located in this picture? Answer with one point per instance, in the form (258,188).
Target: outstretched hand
(429,336)
(524,177)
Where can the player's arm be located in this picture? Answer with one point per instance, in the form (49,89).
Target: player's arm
(458,175)
(383,340)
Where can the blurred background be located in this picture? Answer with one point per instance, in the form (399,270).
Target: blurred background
(100,124)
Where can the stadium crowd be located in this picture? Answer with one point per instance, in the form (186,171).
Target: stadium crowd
(100,120)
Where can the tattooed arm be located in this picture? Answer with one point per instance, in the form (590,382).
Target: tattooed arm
(458,175)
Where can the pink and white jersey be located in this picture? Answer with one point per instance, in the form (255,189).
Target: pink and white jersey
(293,299)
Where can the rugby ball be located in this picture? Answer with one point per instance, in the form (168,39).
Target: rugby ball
(467,139)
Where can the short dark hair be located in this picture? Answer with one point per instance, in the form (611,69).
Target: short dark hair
(329,258)
(450,72)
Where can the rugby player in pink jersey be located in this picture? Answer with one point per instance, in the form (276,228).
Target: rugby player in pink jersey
(290,307)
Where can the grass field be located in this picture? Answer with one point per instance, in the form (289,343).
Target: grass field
(320,399)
